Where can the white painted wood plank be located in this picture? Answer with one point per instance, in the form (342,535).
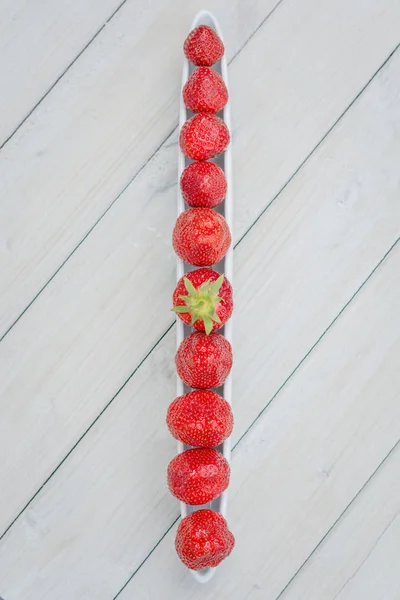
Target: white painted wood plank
(308,447)
(38,41)
(99,126)
(354,552)
(72,351)
(307,456)
(94,131)
(93,351)
(379,577)
(318,243)
(119,466)
(311,59)
(120,501)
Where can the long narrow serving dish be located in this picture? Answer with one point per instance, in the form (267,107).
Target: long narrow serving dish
(224,266)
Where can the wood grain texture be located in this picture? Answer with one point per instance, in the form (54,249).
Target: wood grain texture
(120,463)
(91,135)
(318,243)
(379,576)
(92,348)
(38,41)
(353,561)
(74,348)
(306,458)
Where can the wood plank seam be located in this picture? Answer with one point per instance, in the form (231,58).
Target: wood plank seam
(170,326)
(127,572)
(320,142)
(85,237)
(308,353)
(262,412)
(342,514)
(143,166)
(146,557)
(62,75)
(271,12)
(86,431)
(374,545)
(384,257)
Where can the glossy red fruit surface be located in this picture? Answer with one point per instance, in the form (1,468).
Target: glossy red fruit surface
(203,136)
(204,361)
(200,418)
(203,299)
(203,185)
(203,47)
(205,91)
(198,475)
(203,540)
(201,237)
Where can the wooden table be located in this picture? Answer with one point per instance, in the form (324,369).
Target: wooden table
(88,135)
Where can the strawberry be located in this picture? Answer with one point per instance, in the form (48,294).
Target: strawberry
(203,47)
(203,184)
(205,91)
(204,361)
(198,475)
(203,136)
(203,539)
(200,418)
(203,298)
(201,237)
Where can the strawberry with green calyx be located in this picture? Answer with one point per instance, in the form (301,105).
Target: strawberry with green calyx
(203,299)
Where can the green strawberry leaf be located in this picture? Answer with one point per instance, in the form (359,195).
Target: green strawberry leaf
(215,287)
(181,309)
(190,287)
(208,325)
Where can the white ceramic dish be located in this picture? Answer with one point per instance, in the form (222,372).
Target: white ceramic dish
(224,266)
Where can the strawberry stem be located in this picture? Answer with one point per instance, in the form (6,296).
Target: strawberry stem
(201,303)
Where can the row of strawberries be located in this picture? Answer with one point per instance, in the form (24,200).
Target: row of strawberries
(202,299)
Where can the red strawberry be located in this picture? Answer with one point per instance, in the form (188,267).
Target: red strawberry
(205,91)
(201,237)
(203,540)
(203,47)
(203,136)
(203,184)
(198,475)
(203,298)
(204,361)
(200,418)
